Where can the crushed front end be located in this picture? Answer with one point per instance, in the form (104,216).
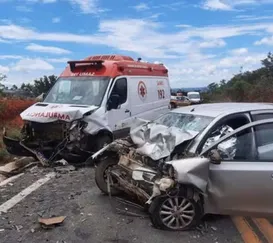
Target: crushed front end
(153,167)
(53,132)
(49,141)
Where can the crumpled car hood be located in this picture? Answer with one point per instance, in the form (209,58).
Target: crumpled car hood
(44,112)
(157,141)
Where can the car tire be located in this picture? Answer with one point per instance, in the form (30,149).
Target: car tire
(173,106)
(159,213)
(100,174)
(102,141)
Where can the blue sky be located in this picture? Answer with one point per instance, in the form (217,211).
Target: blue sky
(200,41)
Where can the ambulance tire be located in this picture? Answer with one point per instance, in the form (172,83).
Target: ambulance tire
(102,141)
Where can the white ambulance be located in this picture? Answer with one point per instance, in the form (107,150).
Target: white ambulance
(93,102)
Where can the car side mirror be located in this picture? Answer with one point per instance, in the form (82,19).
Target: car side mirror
(215,157)
(113,102)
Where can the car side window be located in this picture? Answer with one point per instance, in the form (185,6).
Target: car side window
(120,88)
(262,116)
(238,147)
(264,141)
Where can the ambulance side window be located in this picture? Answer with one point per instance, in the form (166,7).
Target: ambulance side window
(120,89)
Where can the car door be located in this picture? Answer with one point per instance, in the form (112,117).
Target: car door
(243,182)
(119,119)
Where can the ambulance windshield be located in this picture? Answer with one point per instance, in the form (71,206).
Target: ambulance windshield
(78,90)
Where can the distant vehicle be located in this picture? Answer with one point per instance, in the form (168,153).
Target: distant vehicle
(93,102)
(177,101)
(194,97)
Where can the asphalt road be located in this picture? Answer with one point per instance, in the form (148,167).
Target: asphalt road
(91,216)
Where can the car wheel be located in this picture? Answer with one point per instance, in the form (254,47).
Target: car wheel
(175,213)
(173,106)
(101,175)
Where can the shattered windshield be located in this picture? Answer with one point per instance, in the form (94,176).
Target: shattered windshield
(78,90)
(187,122)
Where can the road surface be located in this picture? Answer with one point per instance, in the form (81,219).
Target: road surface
(93,217)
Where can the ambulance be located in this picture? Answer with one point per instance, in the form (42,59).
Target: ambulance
(93,102)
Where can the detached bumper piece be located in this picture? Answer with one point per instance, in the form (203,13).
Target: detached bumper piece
(14,147)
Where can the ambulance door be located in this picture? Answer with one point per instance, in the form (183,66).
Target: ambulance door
(118,106)
(149,97)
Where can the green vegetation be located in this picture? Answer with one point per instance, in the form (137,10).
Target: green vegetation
(254,86)
(39,86)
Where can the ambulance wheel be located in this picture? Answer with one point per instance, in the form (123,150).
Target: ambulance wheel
(102,141)
(101,175)
(175,213)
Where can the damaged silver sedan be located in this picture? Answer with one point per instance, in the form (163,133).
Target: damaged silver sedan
(192,161)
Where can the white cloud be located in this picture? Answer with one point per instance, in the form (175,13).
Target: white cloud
(183,26)
(147,38)
(47,49)
(141,7)
(248,60)
(56,20)
(239,51)
(3,69)
(28,64)
(182,49)
(88,6)
(58,60)
(212,43)
(5,57)
(252,17)
(265,41)
(22,8)
(41,1)
(216,5)
(230,5)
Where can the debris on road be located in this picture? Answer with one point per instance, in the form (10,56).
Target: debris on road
(16,167)
(64,169)
(48,222)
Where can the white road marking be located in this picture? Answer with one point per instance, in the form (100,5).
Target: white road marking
(21,195)
(9,180)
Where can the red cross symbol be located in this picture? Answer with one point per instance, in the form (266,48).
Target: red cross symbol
(142,91)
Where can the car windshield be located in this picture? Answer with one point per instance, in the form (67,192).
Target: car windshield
(78,90)
(187,122)
(194,96)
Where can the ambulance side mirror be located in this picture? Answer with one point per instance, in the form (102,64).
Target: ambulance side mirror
(113,102)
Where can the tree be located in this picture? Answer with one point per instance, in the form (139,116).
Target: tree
(44,84)
(41,85)
(249,86)
(14,87)
(2,86)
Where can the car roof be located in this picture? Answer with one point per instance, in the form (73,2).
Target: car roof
(217,109)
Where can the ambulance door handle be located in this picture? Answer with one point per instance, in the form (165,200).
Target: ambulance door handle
(126,111)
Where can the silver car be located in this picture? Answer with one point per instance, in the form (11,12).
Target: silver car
(195,160)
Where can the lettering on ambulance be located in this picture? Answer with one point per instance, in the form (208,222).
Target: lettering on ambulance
(142,90)
(83,74)
(49,115)
(160,90)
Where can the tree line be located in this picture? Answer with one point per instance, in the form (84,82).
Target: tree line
(36,88)
(249,86)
